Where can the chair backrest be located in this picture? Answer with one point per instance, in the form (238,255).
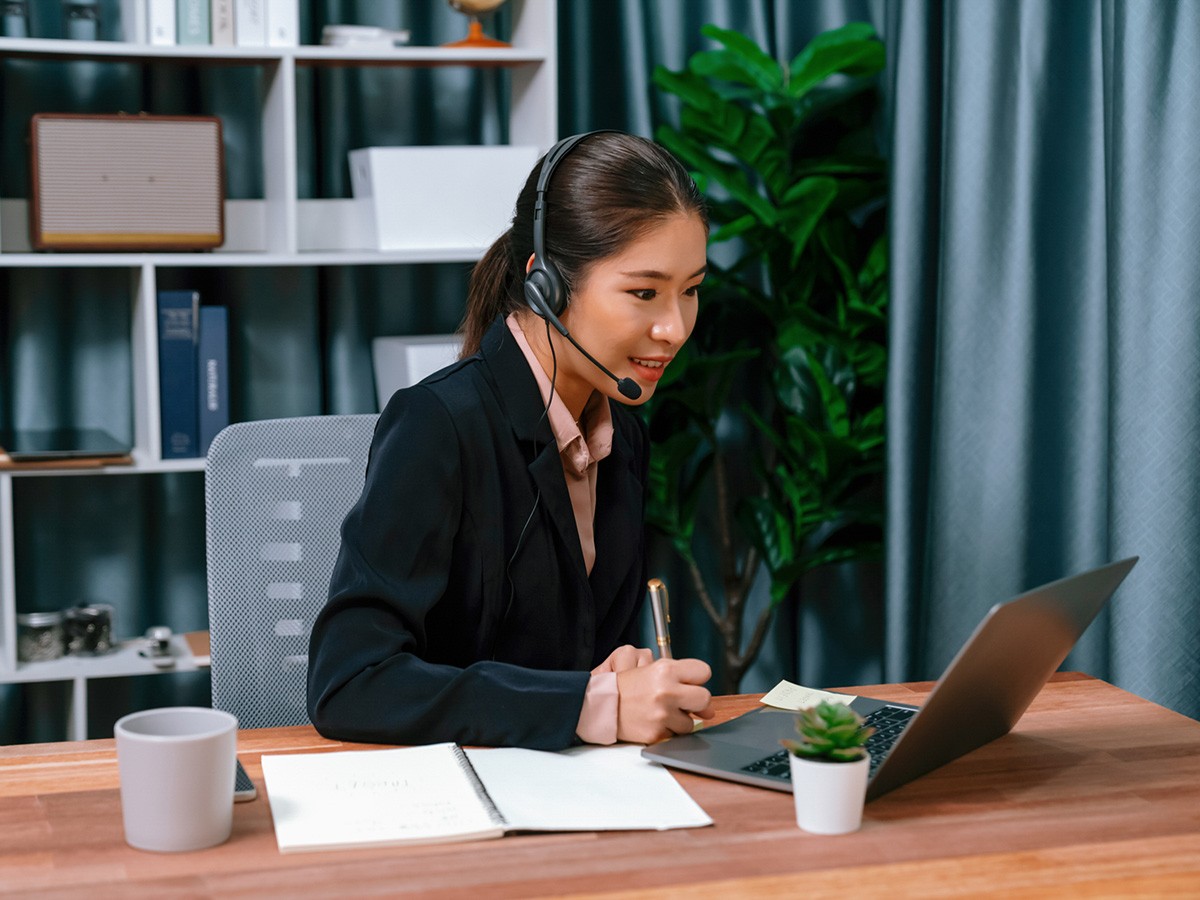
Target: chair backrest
(275,494)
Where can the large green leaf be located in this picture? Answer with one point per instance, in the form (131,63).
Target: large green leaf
(737,228)
(850,50)
(691,89)
(744,135)
(742,60)
(769,531)
(804,204)
(697,157)
(757,70)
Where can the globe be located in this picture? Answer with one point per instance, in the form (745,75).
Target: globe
(475,36)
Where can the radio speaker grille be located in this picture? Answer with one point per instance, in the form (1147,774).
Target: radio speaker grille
(126,182)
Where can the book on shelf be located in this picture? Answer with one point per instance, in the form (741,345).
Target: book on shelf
(440,792)
(250,23)
(283,23)
(212,374)
(192,21)
(221,31)
(242,23)
(178,335)
(160,21)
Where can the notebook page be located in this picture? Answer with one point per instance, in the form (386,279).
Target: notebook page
(584,789)
(361,798)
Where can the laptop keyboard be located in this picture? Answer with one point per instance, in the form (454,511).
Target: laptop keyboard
(888,722)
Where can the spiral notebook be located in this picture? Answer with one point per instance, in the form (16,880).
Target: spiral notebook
(441,792)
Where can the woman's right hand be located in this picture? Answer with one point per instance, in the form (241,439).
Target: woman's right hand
(660,699)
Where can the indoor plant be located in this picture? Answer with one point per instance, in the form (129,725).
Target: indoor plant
(829,765)
(769,423)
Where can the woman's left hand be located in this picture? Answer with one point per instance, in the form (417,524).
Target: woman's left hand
(625,657)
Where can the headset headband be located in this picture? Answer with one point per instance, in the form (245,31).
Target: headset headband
(553,157)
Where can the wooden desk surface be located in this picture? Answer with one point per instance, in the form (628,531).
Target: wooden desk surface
(1096,792)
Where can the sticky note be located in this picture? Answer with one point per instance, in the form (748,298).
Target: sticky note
(786,695)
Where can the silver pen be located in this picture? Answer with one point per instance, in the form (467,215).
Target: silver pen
(660,610)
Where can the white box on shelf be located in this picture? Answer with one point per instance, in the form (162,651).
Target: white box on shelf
(463,196)
(402,361)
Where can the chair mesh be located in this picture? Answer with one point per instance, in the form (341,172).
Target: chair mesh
(276,492)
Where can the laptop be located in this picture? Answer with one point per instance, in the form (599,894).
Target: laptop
(33,444)
(983,692)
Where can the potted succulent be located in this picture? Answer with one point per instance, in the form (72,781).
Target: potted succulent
(829,765)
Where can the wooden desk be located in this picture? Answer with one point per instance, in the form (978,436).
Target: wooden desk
(1096,792)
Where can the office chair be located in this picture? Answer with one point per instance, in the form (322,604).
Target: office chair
(275,494)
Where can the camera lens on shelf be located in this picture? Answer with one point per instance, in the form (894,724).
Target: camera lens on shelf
(39,636)
(14,18)
(88,629)
(81,19)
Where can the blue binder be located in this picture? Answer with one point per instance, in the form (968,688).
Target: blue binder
(178,328)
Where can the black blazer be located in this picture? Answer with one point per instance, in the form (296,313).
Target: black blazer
(459,608)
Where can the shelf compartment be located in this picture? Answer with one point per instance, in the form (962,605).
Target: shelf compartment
(121,662)
(142,465)
(330,233)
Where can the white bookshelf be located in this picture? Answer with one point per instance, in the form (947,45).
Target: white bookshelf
(279,230)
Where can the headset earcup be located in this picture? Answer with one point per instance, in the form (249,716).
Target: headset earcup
(535,292)
(544,290)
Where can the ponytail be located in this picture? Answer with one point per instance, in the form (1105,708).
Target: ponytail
(492,290)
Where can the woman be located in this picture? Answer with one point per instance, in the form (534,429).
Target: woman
(490,581)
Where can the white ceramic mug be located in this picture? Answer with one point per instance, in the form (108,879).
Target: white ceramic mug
(177,767)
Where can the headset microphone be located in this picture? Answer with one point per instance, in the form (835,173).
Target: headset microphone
(627,386)
(545,291)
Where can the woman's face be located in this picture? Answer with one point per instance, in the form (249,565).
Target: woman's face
(632,311)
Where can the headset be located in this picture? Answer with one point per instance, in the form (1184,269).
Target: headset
(545,290)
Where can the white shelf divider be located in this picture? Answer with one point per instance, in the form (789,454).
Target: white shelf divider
(8,581)
(147,418)
(280,177)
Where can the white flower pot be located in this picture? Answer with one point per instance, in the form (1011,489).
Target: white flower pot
(829,795)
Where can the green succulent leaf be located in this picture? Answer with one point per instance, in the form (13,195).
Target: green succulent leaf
(831,731)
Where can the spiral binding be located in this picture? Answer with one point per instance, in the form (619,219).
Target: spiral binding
(469,770)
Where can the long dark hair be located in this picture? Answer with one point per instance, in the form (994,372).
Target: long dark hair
(608,191)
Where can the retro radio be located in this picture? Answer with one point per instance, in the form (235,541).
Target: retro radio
(126,182)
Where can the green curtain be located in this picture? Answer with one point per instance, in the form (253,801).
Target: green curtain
(1044,396)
